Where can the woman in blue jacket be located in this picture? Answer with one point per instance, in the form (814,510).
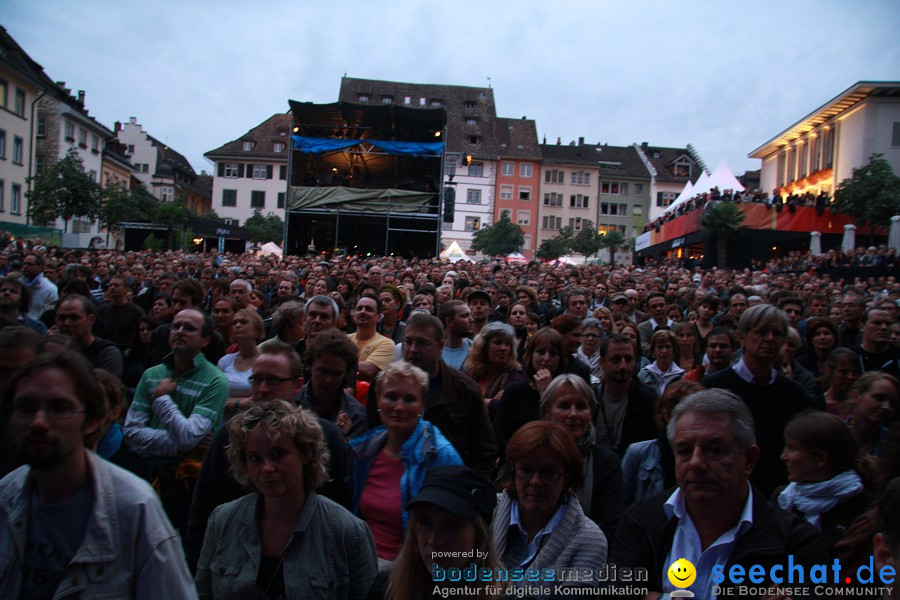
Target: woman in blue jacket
(391,460)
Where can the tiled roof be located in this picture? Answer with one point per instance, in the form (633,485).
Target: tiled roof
(470,110)
(263,137)
(662,159)
(13,57)
(517,138)
(612,160)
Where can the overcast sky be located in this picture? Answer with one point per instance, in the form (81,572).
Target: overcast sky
(725,77)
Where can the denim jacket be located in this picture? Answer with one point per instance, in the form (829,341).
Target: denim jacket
(330,554)
(426,447)
(642,471)
(129,549)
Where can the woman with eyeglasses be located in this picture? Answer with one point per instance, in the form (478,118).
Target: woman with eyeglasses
(390,460)
(284,541)
(539,523)
(247,331)
(332,358)
(588,352)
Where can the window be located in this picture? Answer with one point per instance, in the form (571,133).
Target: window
(82,138)
(95,144)
(523,217)
(473,197)
(581,178)
(828,149)
(637,211)
(682,168)
(506,192)
(15,206)
(525,170)
(2,196)
(257,199)
(19,107)
(70,132)
(506,168)
(446,226)
(93,175)
(278,147)
(471,104)
(476,170)
(421,101)
(664,199)
(436,103)
(130,148)
(553,199)
(2,144)
(145,167)
(639,189)
(166,194)
(231,170)
(473,223)
(578,201)
(474,139)
(363,97)
(471,121)
(41,126)
(613,187)
(604,229)
(260,171)
(280,201)
(551,223)
(229,197)
(39,165)
(387,99)
(895,135)
(247,146)
(554,176)
(18,150)
(575,223)
(407,100)
(4,90)
(282,172)
(526,244)
(525,193)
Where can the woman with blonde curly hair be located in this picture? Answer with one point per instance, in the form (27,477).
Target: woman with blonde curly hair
(284,541)
(492,362)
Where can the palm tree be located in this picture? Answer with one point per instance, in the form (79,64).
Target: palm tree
(722,221)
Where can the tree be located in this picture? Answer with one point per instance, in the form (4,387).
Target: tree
(552,248)
(174,216)
(612,240)
(265,229)
(722,221)
(588,241)
(63,190)
(500,239)
(871,194)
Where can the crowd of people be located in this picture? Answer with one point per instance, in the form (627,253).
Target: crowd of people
(188,425)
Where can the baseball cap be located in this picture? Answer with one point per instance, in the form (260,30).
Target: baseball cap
(459,490)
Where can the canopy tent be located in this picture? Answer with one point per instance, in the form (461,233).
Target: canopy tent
(570,260)
(454,253)
(724,179)
(849,241)
(516,257)
(270,248)
(686,194)
(362,200)
(702,184)
(894,234)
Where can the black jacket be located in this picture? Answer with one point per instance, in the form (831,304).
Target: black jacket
(639,425)
(645,536)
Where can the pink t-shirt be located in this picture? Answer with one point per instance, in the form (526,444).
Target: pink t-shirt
(381,505)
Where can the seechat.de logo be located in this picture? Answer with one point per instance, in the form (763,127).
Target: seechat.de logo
(682,574)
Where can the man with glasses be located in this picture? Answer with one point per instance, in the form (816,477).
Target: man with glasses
(772,398)
(276,376)
(73,524)
(43,293)
(177,405)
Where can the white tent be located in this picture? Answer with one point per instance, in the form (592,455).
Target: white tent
(849,241)
(724,179)
(570,260)
(702,186)
(686,194)
(516,257)
(894,233)
(454,253)
(270,248)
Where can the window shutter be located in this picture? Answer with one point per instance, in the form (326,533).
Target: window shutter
(221,169)
(249,171)
(268,171)
(240,172)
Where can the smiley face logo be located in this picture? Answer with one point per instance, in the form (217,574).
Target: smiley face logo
(682,573)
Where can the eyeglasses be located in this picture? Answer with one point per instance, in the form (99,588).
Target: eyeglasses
(25,410)
(421,343)
(543,474)
(590,335)
(270,381)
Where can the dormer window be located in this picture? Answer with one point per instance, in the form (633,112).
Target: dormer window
(363,98)
(247,146)
(471,104)
(278,147)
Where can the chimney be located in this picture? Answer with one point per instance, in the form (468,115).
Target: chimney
(81,98)
(132,120)
(644,145)
(559,141)
(117,127)
(581,141)
(545,139)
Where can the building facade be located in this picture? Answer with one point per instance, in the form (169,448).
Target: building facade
(164,172)
(819,151)
(519,178)
(670,169)
(251,172)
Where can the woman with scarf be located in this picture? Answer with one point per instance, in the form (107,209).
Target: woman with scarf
(569,401)
(821,455)
(663,370)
